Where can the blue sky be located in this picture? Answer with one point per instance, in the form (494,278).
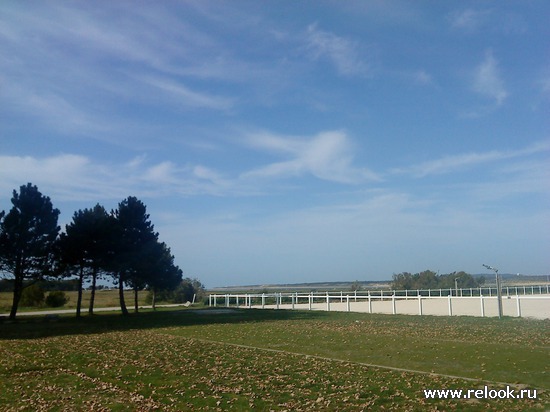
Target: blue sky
(282,142)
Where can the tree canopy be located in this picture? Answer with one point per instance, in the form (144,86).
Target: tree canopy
(28,236)
(85,247)
(134,239)
(431,280)
(122,244)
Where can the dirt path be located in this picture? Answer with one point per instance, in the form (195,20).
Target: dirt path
(65,311)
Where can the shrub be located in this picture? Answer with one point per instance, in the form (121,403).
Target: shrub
(32,295)
(182,293)
(56,299)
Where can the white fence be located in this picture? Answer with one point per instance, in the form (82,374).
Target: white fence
(520,301)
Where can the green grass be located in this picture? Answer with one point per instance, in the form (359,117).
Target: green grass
(103,299)
(268,360)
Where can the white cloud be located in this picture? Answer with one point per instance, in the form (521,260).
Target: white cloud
(469,20)
(487,80)
(58,168)
(74,68)
(418,77)
(395,13)
(55,110)
(161,173)
(205,173)
(64,176)
(78,178)
(136,162)
(494,20)
(544,83)
(453,163)
(341,52)
(520,178)
(327,156)
(210,178)
(187,97)
(422,77)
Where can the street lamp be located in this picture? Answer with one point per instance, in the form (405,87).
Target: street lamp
(499,295)
(456,286)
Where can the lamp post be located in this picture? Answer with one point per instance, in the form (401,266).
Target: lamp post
(499,295)
(456,286)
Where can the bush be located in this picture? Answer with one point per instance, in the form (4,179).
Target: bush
(182,293)
(32,295)
(56,299)
(6,285)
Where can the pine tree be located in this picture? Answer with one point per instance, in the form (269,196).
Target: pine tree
(28,236)
(85,247)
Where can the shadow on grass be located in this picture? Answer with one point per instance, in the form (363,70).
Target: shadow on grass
(36,327)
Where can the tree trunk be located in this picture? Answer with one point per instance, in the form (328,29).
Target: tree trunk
(79,298)
(136,300)
(153,300)
(92,297)
(17,292)
(121,295)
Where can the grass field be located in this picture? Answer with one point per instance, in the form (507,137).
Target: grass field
(103,299)
(179,360)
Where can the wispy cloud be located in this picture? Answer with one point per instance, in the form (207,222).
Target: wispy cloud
(343,53)
(454,163)
(78,178)
(495,20)
(487,80)
(187,97)
(327,156)
(421,77)
(61,114)
(62,177)
(381,12)
(544,83)
(418,77)
(73,68)
(469,20)
(69,177)
(521,178)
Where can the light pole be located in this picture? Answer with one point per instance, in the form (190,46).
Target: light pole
(456,286)
(499,295)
